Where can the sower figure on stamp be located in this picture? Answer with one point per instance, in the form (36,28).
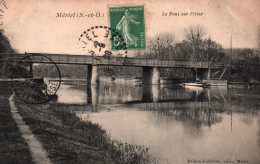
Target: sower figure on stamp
(123,25)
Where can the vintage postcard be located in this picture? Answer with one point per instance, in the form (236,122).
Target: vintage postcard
(130,82)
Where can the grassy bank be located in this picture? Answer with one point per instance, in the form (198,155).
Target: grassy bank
(13,147)
(67,139)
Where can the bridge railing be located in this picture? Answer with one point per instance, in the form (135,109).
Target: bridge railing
(148,62)
(63,59)
(120,61)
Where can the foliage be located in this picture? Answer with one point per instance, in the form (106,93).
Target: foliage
(194,35)
(5,51)
(119,71)
(203,49)
(5,46)
(194,47)
(249,71)
(162,45)
(211,50)
(184,50)
(71,71)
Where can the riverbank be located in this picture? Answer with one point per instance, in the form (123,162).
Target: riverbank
(66,138)
(13,147)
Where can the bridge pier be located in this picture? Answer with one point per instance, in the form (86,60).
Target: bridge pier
(92,76)
(202,73)
(31,69)
(151,75)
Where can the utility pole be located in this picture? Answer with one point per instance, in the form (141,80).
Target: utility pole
(158,51)
(209,44)
(231,55)
(231,49)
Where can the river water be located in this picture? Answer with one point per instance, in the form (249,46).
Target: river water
(178,124)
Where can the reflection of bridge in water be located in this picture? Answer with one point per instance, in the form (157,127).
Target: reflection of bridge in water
(203,107)
(174,102)
(158,97)
(115,94)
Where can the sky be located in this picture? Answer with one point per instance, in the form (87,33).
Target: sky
(32,25)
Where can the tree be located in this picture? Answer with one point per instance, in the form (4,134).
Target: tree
(195,36)
(5,46)
(202,49)
(247,53)
(5,51)
(183,50)
(212,50)
(162,45)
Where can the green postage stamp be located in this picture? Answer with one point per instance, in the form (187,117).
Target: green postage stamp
(129,22)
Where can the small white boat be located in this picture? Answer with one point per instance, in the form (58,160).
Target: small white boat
(194,88)
(194,84)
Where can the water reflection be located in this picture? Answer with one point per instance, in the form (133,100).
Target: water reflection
(176,123)
(70,95)
(196,104)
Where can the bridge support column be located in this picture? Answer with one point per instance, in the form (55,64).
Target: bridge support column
(30,68)
(92,76)
(203,73)
(195,73)
(151,75)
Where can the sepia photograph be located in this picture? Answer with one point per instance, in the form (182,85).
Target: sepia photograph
(130,82)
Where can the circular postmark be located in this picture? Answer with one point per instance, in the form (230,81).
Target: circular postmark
(97,41)
(36,79)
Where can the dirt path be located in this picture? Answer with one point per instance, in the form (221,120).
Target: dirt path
(39,155)
(13,147)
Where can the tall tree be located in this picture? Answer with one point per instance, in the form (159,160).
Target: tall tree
(211,50)
(162,45)
(183,50)
(258,38)
(195,35)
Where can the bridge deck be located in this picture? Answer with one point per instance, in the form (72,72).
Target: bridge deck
(117,61)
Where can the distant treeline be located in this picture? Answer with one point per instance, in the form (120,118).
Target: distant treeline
(80,71)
